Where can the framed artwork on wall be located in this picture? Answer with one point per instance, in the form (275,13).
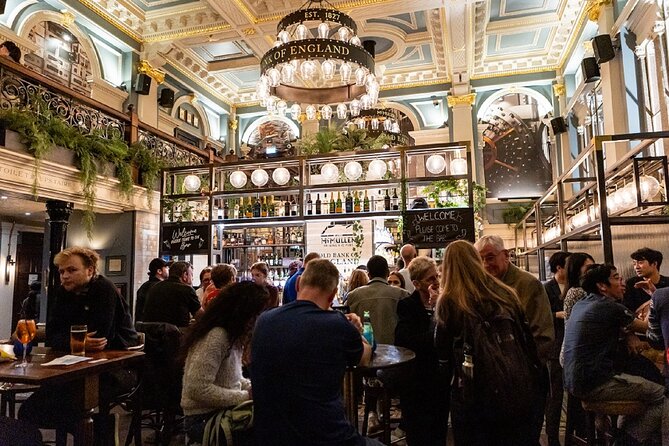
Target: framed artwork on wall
(115,265)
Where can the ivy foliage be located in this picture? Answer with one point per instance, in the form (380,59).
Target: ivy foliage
(40,132)
(330,139)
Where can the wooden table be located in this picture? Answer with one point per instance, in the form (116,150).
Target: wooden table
(86,374)
(385,356)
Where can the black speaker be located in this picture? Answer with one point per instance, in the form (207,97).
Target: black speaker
(370,46)
(559,125)
(166,98)
(143,84)
(590,70)
(603,47)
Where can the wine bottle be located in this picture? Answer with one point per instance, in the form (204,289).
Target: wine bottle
(257,207)
(396,200)
(249,209)
(270,206)
(286,208)
(215,240)
(300,236)
(386,202)
(263,208)
(293,205)
(333,204)
(226,210)
(310,205)
(318,204)
(338,208)
(365,203)
(349,202)
(356,202)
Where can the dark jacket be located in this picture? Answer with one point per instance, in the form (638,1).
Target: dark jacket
(142,292)
(171,301)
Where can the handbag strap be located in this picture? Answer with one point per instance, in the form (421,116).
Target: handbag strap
(211,429)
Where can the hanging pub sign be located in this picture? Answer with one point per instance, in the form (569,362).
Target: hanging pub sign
(185,238)
(435,228)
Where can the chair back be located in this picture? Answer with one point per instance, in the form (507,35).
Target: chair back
(163,373)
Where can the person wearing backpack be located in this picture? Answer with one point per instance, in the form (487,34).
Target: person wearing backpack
(494,358)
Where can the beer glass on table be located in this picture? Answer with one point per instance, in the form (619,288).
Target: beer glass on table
(25,332)
(78,339)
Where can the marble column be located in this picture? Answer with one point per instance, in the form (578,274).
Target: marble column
(463,125)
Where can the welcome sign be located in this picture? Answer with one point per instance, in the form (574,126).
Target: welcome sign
(185,239)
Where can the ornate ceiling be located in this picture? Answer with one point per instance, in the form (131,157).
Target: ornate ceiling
(419,42)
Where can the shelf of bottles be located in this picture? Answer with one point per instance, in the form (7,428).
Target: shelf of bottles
(186,195)
(362,185)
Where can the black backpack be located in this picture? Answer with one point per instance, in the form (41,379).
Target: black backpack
(496,365)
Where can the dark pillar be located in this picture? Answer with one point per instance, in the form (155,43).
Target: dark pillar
(59,215)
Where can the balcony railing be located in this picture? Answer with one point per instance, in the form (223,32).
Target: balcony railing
(21,87)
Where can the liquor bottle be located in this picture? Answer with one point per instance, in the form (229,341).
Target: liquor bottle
(365,203)
(257,207)
(215,240)
(356,202)
(396,200)
(300,236)
(249,208)
(333,204)
(379,201)
(293,205)
(318,204)
(349,202)
(338,208)
(286,208)
(293,236)
(263,208)
(310,205)
(270,206)
(235,210)
(226,210)
(386,202)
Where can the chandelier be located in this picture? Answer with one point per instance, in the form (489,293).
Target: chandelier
(319,61)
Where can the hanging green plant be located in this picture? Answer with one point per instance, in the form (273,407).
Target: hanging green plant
(453,193)
(514,213)
(358,240)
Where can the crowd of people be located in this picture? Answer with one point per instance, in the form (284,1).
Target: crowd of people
(495,348)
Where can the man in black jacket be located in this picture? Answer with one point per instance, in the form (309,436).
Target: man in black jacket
(158,271)
(173,300)
(84,298)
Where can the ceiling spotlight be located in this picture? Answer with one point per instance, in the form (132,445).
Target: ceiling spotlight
(4,197)
(27,213)
(435,102)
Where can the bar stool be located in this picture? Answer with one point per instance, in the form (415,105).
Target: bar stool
(8,396)
(614,409)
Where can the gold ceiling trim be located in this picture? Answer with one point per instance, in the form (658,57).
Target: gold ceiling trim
(594,8)
(193,32)
(559,90)
(573,37)
(112,20)
(465,99)
(189,75)
(144,67)
(247,12)
(271,17)
(515,72)
(397,86)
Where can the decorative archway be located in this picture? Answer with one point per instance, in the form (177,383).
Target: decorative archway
(253,127)
(408,111)
(544,104)
(204,117)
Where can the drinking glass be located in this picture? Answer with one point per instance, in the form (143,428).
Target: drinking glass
(25,332)
(78,339)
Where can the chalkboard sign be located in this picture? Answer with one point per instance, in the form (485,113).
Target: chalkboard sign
(435,228)
(185,238)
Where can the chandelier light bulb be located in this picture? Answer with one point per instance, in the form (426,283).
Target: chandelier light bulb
(365,102)
(192,183)
(323,30)
(238,179)
(353,170)
(281,176)
(274,76)
(296,64)
(302,31)
(307,69)
(376,170)
(328,68)
(435,164)
(360,75)
(345,72)
(355,40)
(395,128)
(329,172)
(311,112)
(344,34)
(374,123)
(259,177)
(458,166)
(277,43)
(326,112)
(281,107)
(360,123)
(387,125)
(271,104)
(288,73)
(341,111)
(283,36)
(295,111)
(649,187)
(354,106)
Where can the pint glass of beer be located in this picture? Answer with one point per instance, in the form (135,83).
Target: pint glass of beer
(78,339)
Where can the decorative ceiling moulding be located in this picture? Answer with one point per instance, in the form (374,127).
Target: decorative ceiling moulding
(593,8)
(144,67)
(201,31)
(67,18)
(112,20)
(216,94)
(465,99)
(559,90)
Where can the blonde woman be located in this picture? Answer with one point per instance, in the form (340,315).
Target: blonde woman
(357,279)
(470,296)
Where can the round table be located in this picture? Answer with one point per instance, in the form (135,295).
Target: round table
(385,356)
